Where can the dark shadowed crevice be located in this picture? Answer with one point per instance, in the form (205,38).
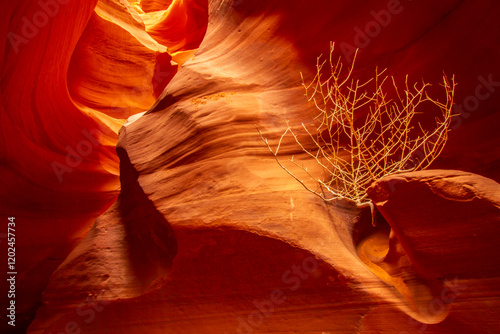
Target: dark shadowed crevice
(151,239)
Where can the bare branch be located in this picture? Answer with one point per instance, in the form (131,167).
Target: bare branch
(359,134)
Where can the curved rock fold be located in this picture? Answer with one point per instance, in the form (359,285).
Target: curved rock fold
(130,157)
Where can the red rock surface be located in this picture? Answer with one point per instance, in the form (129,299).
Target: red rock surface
(446,224)
(206,225)
(71,74)
(447,221)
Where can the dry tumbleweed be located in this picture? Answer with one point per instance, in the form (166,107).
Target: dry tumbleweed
(361,135)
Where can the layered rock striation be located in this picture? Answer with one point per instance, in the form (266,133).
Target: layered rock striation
(208,234)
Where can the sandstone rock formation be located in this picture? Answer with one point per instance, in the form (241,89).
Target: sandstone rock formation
(208,234)
(72,72)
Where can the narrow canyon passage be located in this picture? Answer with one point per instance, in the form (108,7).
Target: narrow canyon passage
(72,75)
(146,201)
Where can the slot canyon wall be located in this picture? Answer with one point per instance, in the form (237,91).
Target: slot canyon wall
(145,200)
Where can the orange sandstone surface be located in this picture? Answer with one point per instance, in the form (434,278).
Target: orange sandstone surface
(146,202)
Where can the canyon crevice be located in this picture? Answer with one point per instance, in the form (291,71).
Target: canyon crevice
(146,200)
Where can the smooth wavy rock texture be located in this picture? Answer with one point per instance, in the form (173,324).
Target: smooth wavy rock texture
(132,161)
(72,73)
